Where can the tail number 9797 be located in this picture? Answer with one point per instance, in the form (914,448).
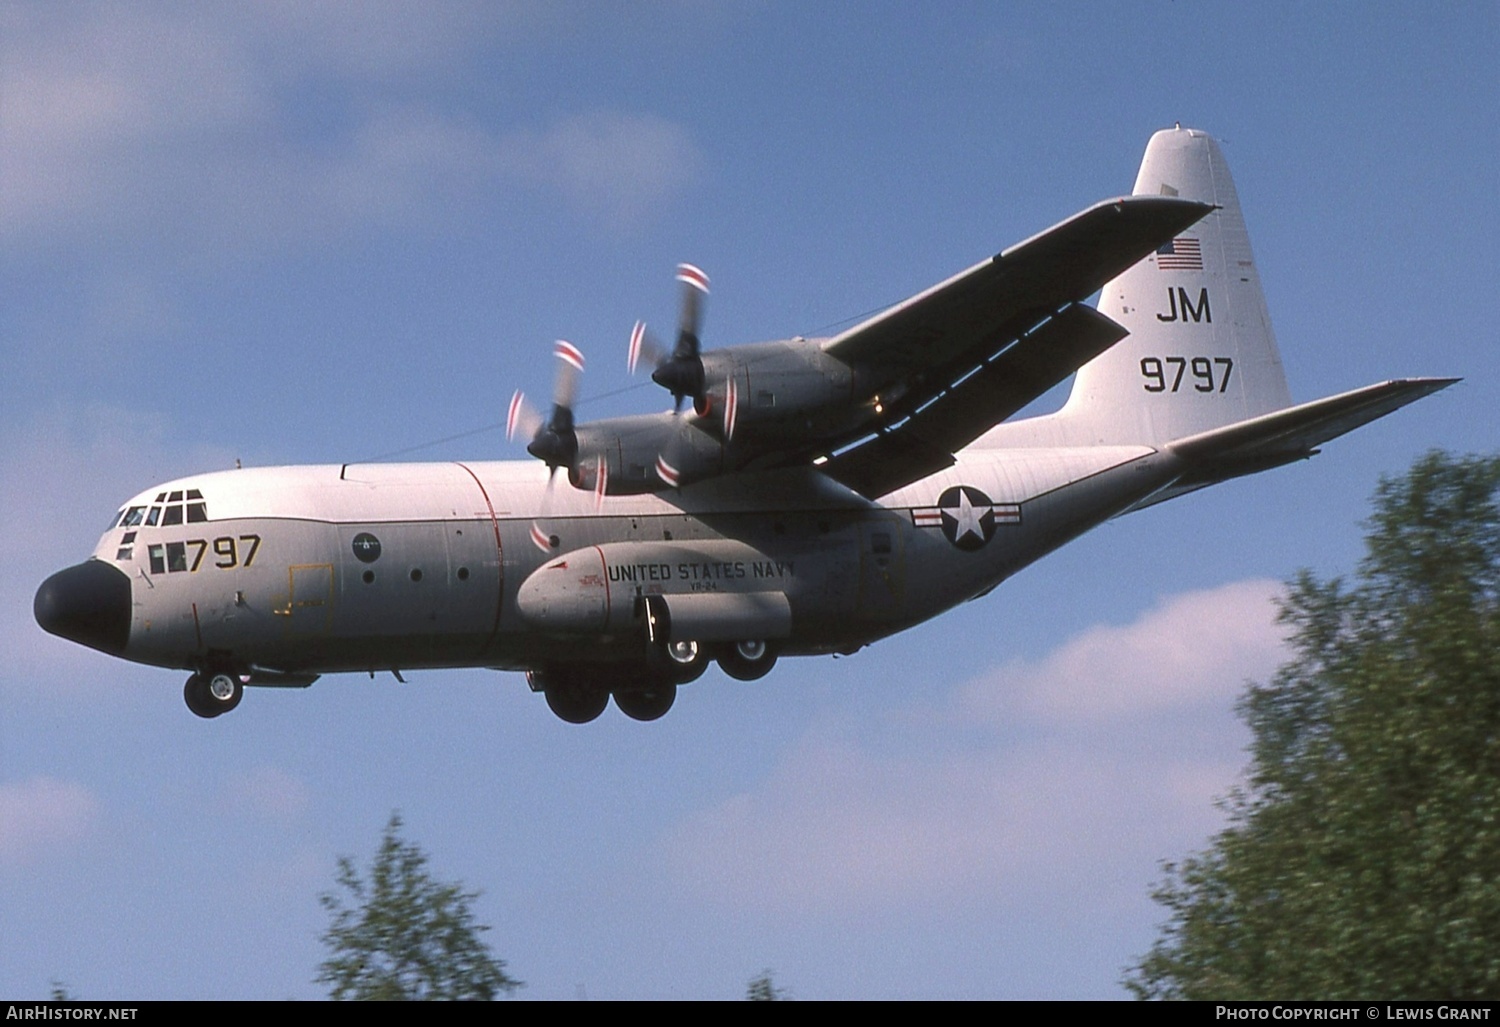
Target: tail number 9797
(1204,374)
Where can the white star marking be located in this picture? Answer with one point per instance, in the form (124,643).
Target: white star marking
(968,519)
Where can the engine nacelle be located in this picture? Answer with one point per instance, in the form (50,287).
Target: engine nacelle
(712,591)
(790,399)
(630,448)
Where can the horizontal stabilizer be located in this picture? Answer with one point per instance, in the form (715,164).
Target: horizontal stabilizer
(1300,428)
(1271,440)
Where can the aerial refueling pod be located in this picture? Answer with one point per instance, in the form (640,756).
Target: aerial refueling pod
(712,591)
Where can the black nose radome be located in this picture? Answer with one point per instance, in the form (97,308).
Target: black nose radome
(88,603)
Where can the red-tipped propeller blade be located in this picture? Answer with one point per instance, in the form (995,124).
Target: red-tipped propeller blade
(522,417)
(694,276)
(540,538)
(731,406)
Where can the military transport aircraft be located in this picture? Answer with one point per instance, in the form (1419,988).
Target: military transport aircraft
(815,496)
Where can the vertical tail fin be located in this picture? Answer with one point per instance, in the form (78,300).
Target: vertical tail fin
(1201,352)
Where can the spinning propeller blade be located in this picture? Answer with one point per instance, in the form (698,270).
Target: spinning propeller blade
(540,537)
(555,442)
(679,370)
(731,407)
(522,417)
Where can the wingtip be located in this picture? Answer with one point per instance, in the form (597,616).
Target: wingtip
(1428,385)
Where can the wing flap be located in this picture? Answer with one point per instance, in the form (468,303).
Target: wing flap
(925,442)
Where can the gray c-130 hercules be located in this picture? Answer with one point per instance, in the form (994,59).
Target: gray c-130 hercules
(818,495)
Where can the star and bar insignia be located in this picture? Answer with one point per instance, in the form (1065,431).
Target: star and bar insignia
(966,516)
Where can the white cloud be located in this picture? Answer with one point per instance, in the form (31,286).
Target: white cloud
(191,123)
(91,104)
(1192,649)
(1056,775)
(619,166)
(41,814)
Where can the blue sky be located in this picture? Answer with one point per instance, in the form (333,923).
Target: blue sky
(317,232)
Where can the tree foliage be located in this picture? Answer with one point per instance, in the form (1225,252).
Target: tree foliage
(1362,856)
(762,988)
(403,935)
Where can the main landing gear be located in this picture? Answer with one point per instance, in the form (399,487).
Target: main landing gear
(679,662)
(209,695)
(644,689)
(747,661)
(648,702)
(578,693)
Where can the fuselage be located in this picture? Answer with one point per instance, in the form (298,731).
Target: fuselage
(295,571)
(821,495)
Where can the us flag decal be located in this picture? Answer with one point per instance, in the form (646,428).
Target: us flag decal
(1181,254)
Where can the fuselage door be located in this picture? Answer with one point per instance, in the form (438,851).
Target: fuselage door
(882,569)
(309,608)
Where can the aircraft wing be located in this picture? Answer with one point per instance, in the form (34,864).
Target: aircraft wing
(961,357)
(958,415)
(977,312)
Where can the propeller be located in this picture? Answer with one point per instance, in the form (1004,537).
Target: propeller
(680,369)
(554,440)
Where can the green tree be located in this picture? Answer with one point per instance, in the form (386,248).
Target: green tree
(1362,856)
(403,935)
(763,989)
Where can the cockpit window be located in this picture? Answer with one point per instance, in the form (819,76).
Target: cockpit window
(184,506)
